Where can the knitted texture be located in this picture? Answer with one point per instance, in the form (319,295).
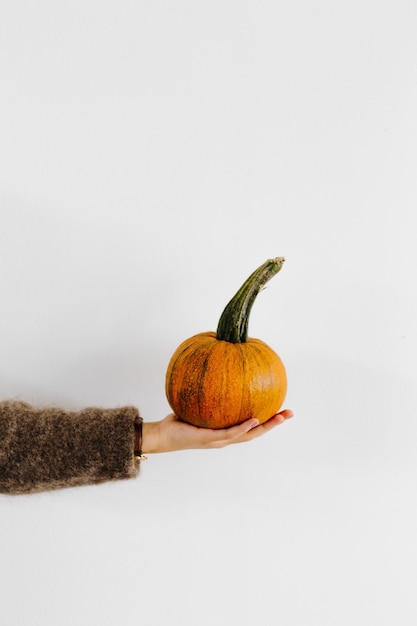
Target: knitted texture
(50,448)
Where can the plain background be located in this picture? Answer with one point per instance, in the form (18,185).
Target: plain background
(152,155)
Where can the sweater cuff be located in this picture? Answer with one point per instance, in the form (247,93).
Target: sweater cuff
(50,448)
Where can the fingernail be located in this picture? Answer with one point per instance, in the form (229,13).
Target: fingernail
(254,423)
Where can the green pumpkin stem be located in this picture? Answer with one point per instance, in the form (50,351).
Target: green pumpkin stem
(234,321)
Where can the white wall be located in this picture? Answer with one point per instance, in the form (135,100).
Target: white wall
(152,154)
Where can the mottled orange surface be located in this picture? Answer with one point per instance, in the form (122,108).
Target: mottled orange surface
(216,384)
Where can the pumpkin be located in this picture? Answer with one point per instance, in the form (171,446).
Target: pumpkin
(217,380)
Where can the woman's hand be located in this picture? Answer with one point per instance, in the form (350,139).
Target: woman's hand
(172,434)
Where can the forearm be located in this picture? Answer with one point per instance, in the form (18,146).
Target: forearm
(50,448)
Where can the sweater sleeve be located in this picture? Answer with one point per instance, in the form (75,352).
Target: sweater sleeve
(50,448)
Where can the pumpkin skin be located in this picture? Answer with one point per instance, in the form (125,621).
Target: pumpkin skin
(212,383)
(217,380)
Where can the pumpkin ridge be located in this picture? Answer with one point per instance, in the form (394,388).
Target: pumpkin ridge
(200,382)
(179,361)
(261,362)
(184,347)
(244,383)
(266,361)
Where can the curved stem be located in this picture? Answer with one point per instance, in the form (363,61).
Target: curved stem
(234,321)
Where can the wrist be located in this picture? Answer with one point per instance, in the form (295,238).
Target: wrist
(150,437)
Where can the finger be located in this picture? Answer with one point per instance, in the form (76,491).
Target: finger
(286,413)
(248,430)
(279,418)
(274,421)
(222,436)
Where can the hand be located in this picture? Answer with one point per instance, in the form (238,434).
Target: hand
(172,434)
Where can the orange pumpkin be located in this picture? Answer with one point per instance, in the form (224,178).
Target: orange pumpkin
(217,380)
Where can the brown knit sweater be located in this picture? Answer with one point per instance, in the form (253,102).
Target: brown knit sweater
(42,449)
